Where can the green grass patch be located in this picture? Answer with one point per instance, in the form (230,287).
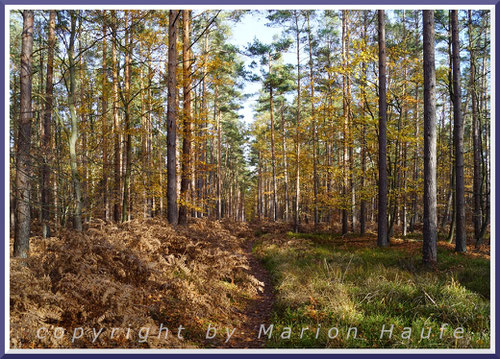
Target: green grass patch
(320,282)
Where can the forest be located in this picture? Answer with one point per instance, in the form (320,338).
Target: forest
(333,172)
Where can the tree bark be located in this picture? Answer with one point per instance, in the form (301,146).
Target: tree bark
(430,208)
(187,121)
(345,128)
(285,165)
(23,162)
(362,212)
(476,135)
(273,152)
(297,130)
(172,118)
(77,216)
(46,128)
(382,237)
(104,122)
(314,132)
(128,142)
(458,139)
(116,126)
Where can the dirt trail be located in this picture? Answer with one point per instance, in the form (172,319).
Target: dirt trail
(258,311)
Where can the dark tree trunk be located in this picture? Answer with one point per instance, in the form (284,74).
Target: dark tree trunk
(285,166)
(128,142)
(476,135)
(187,123)
(362,212)
(23,163)
(383,237)
(172,117)
(46,128)
(104,123)
(116,128)
(345,175)
(458,139)
(297,130)
(314,132)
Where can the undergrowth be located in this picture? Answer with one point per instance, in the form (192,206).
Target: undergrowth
(139,274)
(328,281)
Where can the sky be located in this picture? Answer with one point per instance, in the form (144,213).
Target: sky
(252,26)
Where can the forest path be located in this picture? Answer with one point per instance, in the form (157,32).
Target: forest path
(258,310)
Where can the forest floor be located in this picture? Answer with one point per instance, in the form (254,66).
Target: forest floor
(258,310)
(325,280)
(235,276)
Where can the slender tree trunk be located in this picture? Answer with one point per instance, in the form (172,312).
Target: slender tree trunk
(483,106)
(362,214)
(172,117)
(350,137)
(204,109)
(345,174)
(23,162)
(382,238)
(476,135)
(314,134)
(405,143)
(430,208)
(259,187)
(416,155)
(458,139)
(285,165)
(414,208)
(297,130)
(46,128)
(83,112)
(219,170)
(116,127)
(187,121)
(128,136)
(104,123)
(77,217)
(273,152)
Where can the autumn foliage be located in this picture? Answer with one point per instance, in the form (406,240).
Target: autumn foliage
(138,274)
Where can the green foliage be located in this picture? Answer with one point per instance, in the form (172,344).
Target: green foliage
(323,280)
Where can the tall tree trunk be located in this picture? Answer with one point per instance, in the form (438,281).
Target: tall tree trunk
(483,106)
(382,238)
(259,186)
(430,207)
(273,152)
(116,126)
(314,131)
(349,119)
(345,175)
(297,129)
(285,164)
(219,169)
(476,134)
(416,155)
(405,143)
(458,138)
(23,162)
(104,122)
(172,117)
(362,212)
(187,121)
(83,111)
(128,136)
(46,128)
(77,216)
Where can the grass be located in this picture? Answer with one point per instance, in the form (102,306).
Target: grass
(324,281)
